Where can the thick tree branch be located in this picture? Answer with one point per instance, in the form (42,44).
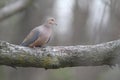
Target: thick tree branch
(60,56)
(13,8)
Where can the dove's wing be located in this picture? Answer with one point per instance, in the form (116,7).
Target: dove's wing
(32,36)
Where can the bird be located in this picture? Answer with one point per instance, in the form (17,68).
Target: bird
(39,36)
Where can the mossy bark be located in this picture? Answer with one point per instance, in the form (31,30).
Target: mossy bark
(53,57)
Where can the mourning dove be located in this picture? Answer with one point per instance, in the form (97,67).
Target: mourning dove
(40,35)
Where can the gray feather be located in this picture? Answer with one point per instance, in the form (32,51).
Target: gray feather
(31,40)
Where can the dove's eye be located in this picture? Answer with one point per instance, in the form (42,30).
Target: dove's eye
(52,19)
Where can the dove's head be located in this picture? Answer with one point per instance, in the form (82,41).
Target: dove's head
(51,21)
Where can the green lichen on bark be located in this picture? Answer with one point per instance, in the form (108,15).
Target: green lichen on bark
(53,57)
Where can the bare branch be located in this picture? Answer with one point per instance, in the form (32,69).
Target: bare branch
(13,8)
(60,56)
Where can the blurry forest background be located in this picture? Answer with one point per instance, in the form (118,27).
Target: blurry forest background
(80,22)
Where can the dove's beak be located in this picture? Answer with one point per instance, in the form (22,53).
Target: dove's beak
(56,24)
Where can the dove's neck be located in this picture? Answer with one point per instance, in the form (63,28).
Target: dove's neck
(48,25)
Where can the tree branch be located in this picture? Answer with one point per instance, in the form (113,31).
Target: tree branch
(60,56)
(13,8)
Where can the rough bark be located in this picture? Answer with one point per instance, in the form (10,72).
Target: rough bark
(53,57)
(14,8)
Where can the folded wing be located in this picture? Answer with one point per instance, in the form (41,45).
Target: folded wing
(32,37)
